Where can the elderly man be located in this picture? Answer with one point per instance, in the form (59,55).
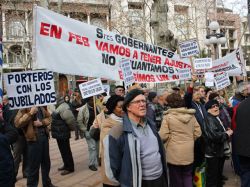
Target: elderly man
(134,154)
(120,90)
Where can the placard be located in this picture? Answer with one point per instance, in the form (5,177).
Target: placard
(91,88)
(189,48)
(203,63)
(128,76)
(209,79)
(30,88)
(222,81)
(184,74)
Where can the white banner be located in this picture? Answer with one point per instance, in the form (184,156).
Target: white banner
(203,63)
(233,64)
(72,47)
(91,88)
(189,48)
(222,81)
(29,88)
(127,73)
(184,74)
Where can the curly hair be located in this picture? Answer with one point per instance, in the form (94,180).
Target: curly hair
(175,101)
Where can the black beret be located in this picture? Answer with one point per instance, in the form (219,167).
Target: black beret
(130,96)
(210,103)
(120,86)
(112,102)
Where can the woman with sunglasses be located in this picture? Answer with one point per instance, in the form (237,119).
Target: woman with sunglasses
(216,137)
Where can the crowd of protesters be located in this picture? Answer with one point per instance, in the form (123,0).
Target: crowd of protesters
(138,138)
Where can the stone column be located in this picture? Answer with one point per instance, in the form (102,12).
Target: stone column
(107,19)
(26,23)
(4,25)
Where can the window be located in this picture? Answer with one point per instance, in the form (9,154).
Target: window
(16,29)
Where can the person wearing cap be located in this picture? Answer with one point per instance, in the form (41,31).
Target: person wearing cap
(133,152)
(114,117)
(216,144)
(120,90)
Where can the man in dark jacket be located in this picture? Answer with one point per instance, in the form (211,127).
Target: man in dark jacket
(8,135)
(63,121)
(134,154)
(20,146)
(242,140)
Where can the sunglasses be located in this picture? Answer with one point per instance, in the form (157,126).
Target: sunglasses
(213,106)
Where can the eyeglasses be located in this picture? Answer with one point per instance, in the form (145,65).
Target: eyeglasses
(138,102)
(213,106)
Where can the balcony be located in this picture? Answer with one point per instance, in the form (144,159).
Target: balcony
(13,66)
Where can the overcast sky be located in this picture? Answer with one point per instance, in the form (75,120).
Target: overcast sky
(238,6)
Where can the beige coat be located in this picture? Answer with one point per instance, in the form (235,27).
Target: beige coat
(106,126)
(179,130)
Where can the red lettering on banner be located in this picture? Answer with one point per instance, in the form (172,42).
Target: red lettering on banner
(51,30)
(150,58)
(80,40)
(113,49)
(162,77)
(177,64)
(144,77)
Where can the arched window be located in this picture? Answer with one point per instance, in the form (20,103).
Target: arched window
(15,55)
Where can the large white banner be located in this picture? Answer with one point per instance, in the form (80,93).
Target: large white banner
(69,46)
(30,88)
(233,64)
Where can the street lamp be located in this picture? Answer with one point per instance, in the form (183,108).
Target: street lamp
(215,38)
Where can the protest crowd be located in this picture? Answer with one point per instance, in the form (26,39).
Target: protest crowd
(136,136)
(140,138)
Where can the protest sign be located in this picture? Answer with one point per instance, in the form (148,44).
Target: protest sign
(128,76)
(202,63)
(184,74)
(30,88)
(189,48)
(209,79)
(91,88)
(106,88)
(233,64)
(222,80)
(78,48)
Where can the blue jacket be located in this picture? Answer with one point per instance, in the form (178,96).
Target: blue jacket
(122,154)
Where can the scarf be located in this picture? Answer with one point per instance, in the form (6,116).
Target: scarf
(115,117)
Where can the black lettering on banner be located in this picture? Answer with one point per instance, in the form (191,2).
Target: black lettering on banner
(107,59)
(99,33)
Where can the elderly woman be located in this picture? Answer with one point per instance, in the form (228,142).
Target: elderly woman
(115,112)
(178,131)
(216,137)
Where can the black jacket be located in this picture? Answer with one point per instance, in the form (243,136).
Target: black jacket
(215,137)
(59,128)
(242,131)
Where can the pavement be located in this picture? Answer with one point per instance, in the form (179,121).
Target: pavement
(83,177)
